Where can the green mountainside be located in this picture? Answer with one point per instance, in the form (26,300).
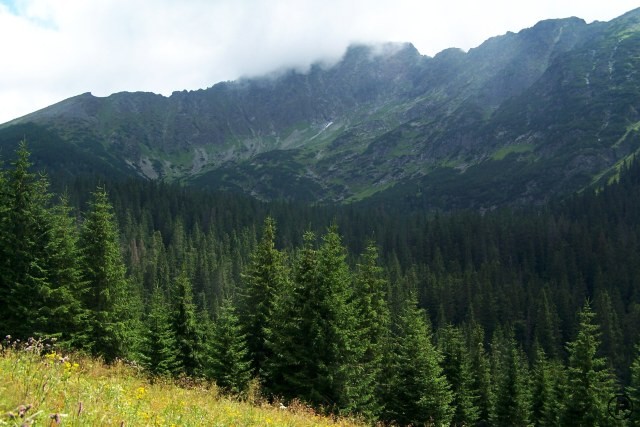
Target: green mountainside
(520,119)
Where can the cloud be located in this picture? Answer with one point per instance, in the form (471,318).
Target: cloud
(55,49)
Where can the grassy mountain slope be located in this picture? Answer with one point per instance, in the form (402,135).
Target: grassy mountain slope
(73,390)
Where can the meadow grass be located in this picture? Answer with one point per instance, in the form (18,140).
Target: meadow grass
(51,389)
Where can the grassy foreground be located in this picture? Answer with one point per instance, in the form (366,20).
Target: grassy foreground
(54,390)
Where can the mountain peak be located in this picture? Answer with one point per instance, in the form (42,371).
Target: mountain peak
(372,52)
(384,119)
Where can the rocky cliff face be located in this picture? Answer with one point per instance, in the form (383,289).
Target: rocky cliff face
(522,117)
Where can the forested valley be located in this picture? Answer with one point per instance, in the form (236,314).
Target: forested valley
(513,316)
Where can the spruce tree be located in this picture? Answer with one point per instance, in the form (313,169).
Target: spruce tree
(106,295)
(547,387)
(185,327)
(229,362)
(264,279)
(24,287)
(290,337)
(336,349)
(311,333)
(633,390)
(373,321)
(590,385)
(157,270)
(547,331)
(67,318)
(481,369)
(159,352)
(417,391)
(512,394)
(458,370)
(611,330)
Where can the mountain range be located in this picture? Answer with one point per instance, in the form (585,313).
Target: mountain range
(522,119)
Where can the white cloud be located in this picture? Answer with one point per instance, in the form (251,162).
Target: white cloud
(54,49)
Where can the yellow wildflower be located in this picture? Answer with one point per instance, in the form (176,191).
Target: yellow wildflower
(140,392)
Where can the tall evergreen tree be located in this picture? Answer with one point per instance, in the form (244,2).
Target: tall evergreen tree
(336,349)
(156,267)
(611,330)
(159,352)
(291,370)
(185,327)
(458,370)
(547,388)
(417,391)
(264,279)
(229,366)
(67,317)
(512,394)
(590,384)
(24,287)
(373,322)
(481,371)
(313,329)
(104,273)
(547,330)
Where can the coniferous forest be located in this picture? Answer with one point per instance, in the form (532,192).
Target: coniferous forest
(510,317)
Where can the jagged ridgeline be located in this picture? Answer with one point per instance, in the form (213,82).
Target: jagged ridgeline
(522,118)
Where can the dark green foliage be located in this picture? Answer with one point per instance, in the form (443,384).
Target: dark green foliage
(264,279)
(511,378)
(590,384)
(633,390)
(5,284)
(24,285)
(611,330)
(63,160)
(481,372)
(107,295)
(524,271)
(229,364)
(185,327)
(158,350)
(314,354)
(547,389)
(457,367)
(313,329)
(67,316)
(547,331)
(335,324)
(373,322)
(291,369)
(417,391)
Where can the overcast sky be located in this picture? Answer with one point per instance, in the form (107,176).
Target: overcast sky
(54,49)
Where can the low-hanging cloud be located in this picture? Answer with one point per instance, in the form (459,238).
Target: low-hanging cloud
(53,49)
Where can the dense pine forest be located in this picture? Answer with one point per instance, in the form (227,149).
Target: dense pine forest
(521,316)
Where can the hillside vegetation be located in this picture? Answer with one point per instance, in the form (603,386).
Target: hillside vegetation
(42,387)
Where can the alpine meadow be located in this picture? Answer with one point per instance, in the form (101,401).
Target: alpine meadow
(393,239)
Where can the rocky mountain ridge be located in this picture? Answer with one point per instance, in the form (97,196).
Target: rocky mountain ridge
(520,119)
